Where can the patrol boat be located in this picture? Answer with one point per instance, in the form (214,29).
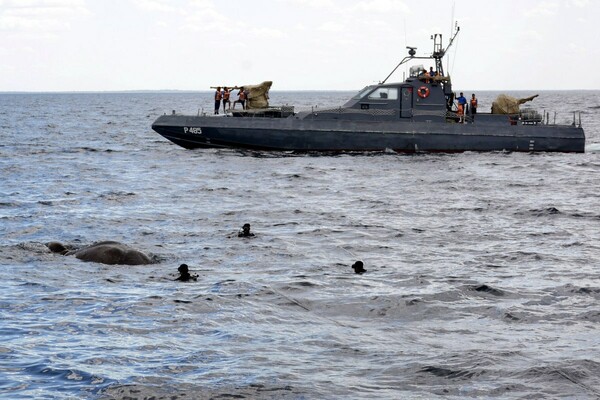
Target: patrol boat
(417,115)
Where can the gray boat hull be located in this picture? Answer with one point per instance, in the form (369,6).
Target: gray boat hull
(309,135)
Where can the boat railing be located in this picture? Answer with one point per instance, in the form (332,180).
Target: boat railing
(572,118)
(526,116)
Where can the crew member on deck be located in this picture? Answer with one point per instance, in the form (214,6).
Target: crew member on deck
(246,98)
(462,103)
(218,97)
(226,101)
(473,107)
(241,98)
(432,72)
(426,76)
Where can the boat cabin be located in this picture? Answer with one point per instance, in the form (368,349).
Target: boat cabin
(419,98)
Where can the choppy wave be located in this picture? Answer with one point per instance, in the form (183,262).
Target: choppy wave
(481,280)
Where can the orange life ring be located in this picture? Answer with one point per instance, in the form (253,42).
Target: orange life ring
(423,92)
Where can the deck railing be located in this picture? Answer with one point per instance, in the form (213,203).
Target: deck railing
(564,118)
(526,116)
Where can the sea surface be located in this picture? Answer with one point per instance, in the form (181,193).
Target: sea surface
(483,269)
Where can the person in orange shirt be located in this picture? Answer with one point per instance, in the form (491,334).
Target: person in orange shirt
(473,107)
(462,102)
(226,101)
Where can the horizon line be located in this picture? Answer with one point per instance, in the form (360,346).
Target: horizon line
(272,90)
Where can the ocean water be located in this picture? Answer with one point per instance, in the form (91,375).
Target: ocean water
(483,268)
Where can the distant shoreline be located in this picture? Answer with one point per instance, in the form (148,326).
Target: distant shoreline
(162,91)
(169,91)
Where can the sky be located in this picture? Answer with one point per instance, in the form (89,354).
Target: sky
(120,45)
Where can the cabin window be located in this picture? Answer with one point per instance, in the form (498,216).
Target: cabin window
(363,92)
(384,94)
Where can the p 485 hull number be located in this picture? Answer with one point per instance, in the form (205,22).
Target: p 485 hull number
(192,130)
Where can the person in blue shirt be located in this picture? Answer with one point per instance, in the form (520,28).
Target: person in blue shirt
(462,103)
(432,73)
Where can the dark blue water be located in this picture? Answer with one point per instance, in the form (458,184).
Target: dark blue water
(483,269)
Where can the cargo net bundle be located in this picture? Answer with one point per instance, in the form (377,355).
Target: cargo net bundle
(507,105)
(258,95)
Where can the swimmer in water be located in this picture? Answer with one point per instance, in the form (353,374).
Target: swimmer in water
(185,274)
(359,267)
(245,231)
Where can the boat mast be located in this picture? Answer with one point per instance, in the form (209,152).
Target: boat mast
(437,55)
(439,52)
